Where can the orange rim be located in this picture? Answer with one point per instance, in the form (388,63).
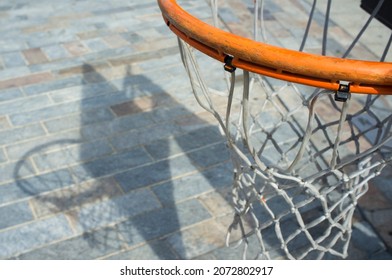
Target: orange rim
(314,70)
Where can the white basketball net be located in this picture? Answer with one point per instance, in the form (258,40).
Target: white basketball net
(301,159)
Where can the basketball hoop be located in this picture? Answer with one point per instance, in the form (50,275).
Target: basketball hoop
(306,132)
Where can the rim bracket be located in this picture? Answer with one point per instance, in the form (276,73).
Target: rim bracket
(228,64)
(343,93)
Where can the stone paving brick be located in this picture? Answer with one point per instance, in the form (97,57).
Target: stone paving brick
(57,65)
(13,170)
(116,126)
(233,253)
(46,27)
(161,222)
(207,135)
(381,221)
(114,210)
(210,156)
(88,246)
(82,68)
(193,185)
(188,243)
(115,41)
(55,52)
(142,104)
(378,200)
(112,27)
(185,142)
(78,120)
(155,250)
(10,45)
(14,72)
(142,136)
(26,80)
(56,141)
(218,203)
(111,165)
(76,48)
(41,39)
(81,92)
(23,105)
(9,94)
(365,239)
(67,108)
(132,37)
(76,196)
(4,123)
(25,188)
(35,56)
(14,59)
(3,157)
(14,214)
(96,44)
(73,155)
(384,183)
(160,171)
(21,134)
(26,237)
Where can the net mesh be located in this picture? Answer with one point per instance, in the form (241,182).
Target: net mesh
(301,159)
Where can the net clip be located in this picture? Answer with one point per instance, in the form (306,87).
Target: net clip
(228,64)
(343,93)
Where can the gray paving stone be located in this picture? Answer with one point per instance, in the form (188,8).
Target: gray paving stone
(25,188)
(88,246)
(76,196)
(57,65)
(132,37)
(155,250)
(23,150)
(25,105)
(117,126)
(11,45)
(142,136)
(55,52)
(82,92)
(3,157)
(154,173)
(72,155)
(41,39)
(365,239)
(11,171)
(211,155)
(53,85)
(96,44)
(115,210)
(14,214)
(193,185)
(185,142)
(197,240)
(67,108)
(9,94)
(382,256)
(14,135)
(109,53)
(78,120)
(162,222)
(13,59)
(33,235)
(111,164)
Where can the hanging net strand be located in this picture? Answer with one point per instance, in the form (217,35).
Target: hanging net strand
(302,152)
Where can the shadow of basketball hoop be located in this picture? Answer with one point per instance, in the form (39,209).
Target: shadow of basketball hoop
(101,201)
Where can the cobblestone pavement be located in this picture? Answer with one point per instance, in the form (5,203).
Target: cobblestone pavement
(104,153)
